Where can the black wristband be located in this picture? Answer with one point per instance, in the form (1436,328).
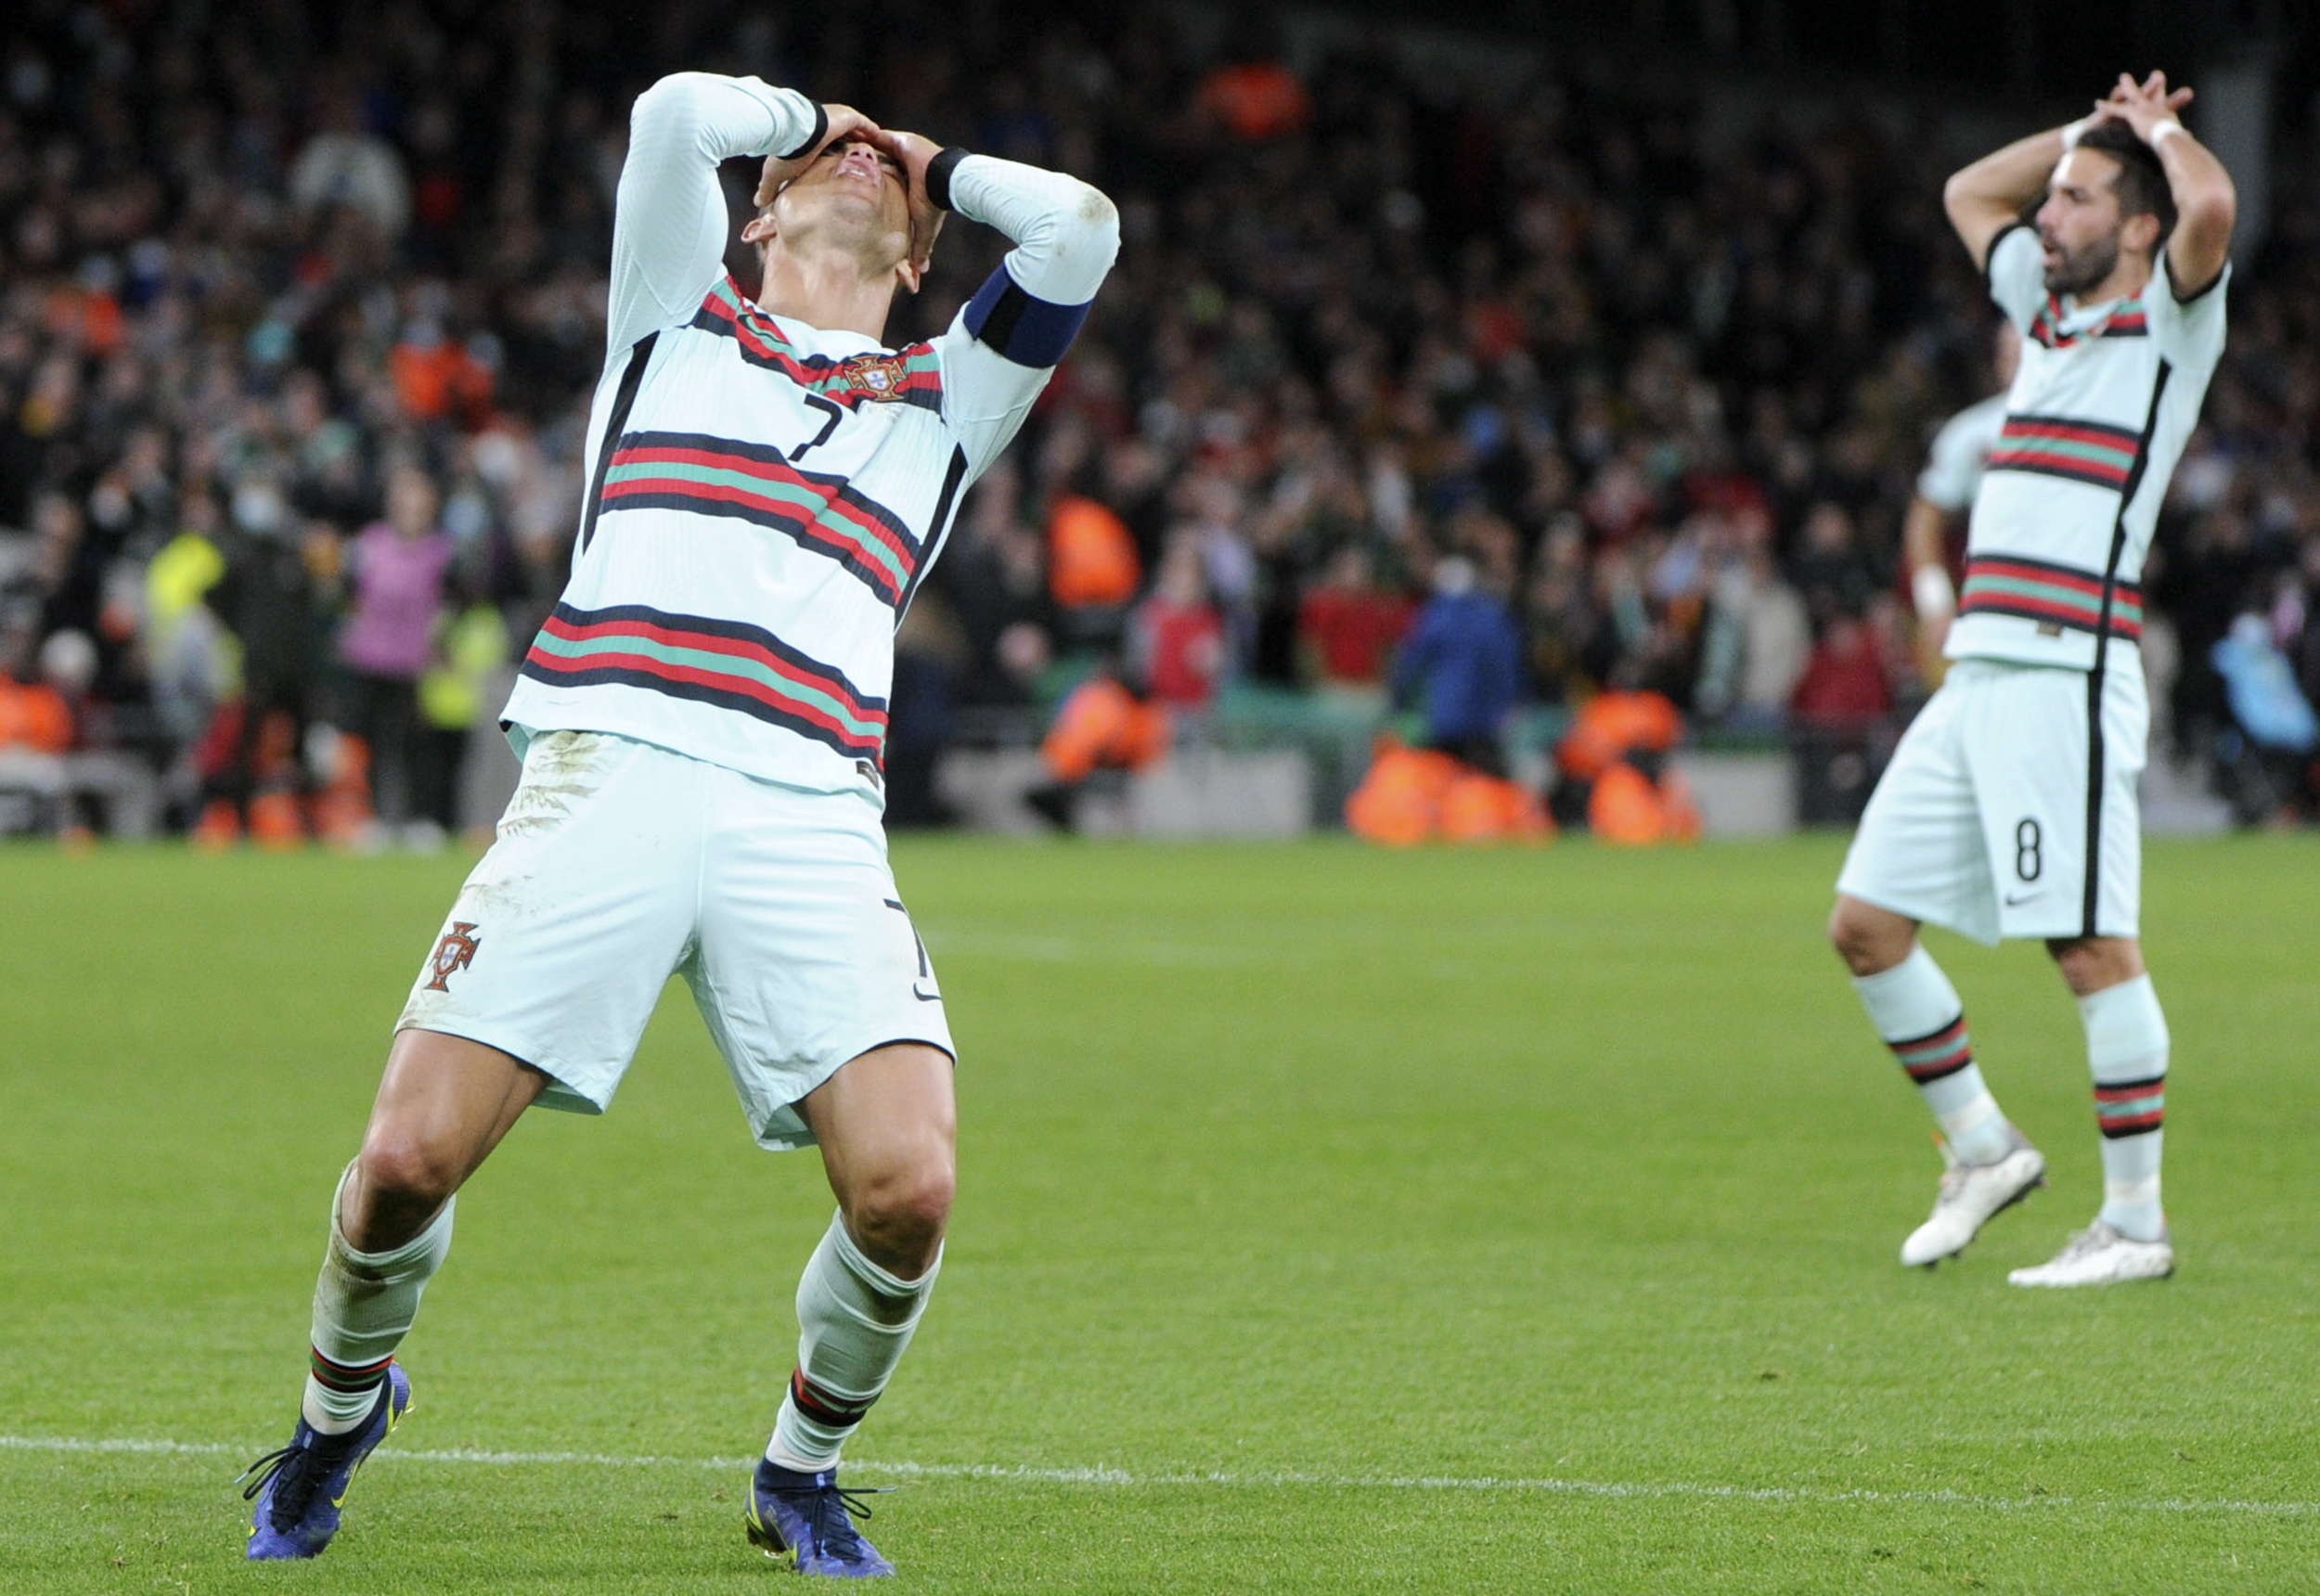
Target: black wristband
(813,139)
(938,172)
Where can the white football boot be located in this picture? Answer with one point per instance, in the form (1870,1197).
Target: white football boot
(1970,1195)
(2099,1256)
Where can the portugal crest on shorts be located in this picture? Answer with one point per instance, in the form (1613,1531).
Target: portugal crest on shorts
(453,953)
(875,376)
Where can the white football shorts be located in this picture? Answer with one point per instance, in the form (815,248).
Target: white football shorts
(618,864)
(2000,794)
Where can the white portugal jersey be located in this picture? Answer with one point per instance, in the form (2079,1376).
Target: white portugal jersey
(764,496)
(2094,422)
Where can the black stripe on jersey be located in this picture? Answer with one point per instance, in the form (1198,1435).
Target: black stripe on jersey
(840,489)
(623,401)
(2196,295)
(2093,476)
(2094,752)
(693,692)
(936,529)
(1021,326)
(1989,259)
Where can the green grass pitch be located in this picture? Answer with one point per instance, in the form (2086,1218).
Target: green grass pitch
(1330,1220)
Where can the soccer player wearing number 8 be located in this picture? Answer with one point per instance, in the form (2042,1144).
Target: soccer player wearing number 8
(701,721)
(2009,808)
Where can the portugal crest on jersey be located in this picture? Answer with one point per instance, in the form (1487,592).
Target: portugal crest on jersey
(453,953)
(876,376)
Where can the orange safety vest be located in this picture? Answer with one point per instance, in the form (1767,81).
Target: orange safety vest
(1611,725)
(1101,725)
(35,716)
(1091,558)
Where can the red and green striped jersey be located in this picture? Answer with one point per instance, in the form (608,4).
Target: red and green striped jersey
(2099,413)
(2033,590)
(763,496)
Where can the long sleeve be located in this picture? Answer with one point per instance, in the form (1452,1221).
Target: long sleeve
(997,354)
(669,224)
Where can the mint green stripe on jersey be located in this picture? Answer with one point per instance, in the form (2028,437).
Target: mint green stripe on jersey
(2048,592)
(710,661)
(815,508)
(2107,456)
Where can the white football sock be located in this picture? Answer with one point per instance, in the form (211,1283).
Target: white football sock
(854,1320)
(1917,1013)
(364,1305)
(2126,1049)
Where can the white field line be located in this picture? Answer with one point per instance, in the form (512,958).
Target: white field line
(1259,1480)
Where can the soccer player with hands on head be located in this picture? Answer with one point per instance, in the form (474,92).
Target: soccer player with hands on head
(701,722)
(2009,809)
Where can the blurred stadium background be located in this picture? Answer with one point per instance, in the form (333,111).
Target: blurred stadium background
(1335,1217)
(1646,315)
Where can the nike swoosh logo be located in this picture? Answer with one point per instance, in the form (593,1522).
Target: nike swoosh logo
(924,997)
(2013,902)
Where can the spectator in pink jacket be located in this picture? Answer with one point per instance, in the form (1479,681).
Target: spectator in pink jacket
(398,569)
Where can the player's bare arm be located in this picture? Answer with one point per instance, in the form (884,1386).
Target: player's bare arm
(1930,585)
(2206,203)
(1987,198)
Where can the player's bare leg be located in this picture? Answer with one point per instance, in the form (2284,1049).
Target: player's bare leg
(1917,1013)
(887,1125)
(444,1104)
(1870,940)
(888,1128)
(2126,1050)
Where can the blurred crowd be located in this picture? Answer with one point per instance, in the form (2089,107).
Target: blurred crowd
(1453,401)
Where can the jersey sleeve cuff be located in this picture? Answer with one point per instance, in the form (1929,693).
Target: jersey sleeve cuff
(2196,295)
(813,139)
(1989,259)
(938,172)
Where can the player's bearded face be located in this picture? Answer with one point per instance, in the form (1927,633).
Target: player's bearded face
(2079,224)
(2075,268)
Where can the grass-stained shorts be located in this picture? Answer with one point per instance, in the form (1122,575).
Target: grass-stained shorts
(2010,785)
(618,864)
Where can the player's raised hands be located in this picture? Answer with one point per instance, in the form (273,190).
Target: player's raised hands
(2144,105)
(916,152)
(844,122)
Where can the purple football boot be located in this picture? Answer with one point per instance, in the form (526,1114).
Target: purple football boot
(300,1488)
(809,1515)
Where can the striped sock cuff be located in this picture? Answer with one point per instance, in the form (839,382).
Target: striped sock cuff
(2131,1108)
(826,1406)
(349,1378)
(1938,1054)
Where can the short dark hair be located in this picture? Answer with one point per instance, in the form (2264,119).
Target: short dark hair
(2142,181)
